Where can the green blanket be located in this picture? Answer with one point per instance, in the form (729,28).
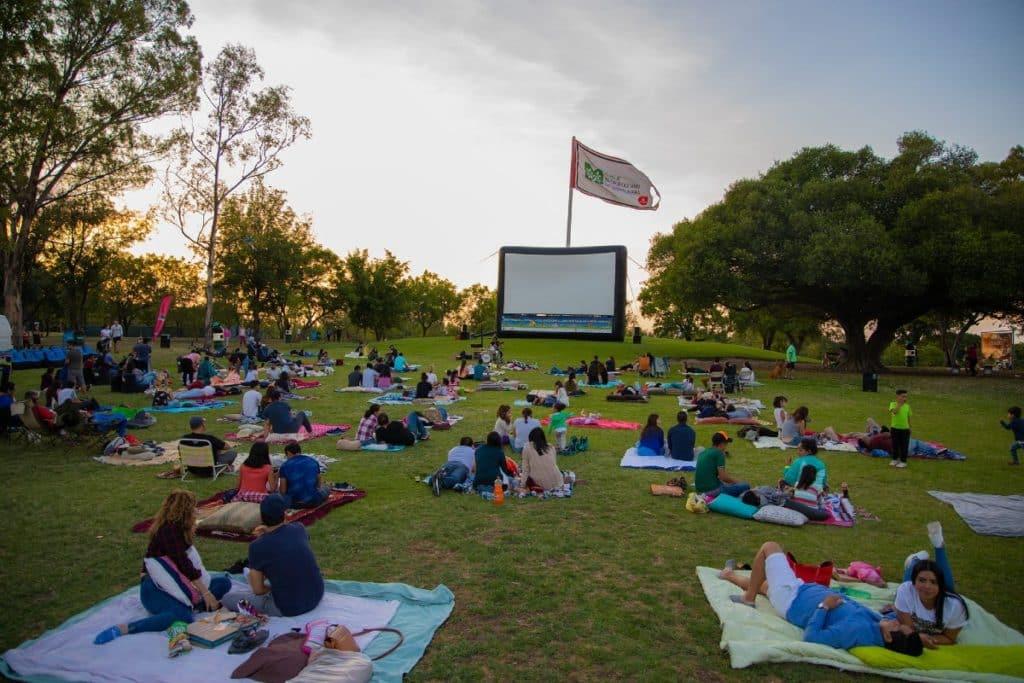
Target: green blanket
(758,636)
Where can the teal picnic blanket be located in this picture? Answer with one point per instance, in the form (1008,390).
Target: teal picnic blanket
(756,636)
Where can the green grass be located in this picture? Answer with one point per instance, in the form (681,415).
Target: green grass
(601,586)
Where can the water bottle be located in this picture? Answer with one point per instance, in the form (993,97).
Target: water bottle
(499,493)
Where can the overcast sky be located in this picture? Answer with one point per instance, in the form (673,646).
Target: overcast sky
(441,131)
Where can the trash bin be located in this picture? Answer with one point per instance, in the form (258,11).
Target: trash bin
(165,341)
(218,337)
(870,382)
(288,336)
(910,355)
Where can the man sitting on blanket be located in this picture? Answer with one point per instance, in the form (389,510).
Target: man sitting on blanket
(284,578)
(221,453)
(826,616)
(681,439)
(300,480)
(279,417)
(711,476)
(355,378)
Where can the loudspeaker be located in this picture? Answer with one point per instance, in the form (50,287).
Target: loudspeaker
(636,335)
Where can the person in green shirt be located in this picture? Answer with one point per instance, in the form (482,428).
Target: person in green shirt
(711,475)
(899,428)
(790,360)
(490,463)
(560,424)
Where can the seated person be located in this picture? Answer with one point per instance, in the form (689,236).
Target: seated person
(826,617)
(652,438)
(461,463)
(643,364)
(503,423)
(417,424)
(609,364)
(571,387)
(400,363)
(369,377)
(221,453)
(594,371)
(283,382)
(279,417)
(490,463)
(716,366)
(926,600)
(207,371)
(746,375)
(540,466)
(423,387)
(522,428)
(256,476)
(44,416)
(322,358)
(681,439)
(794,426)
(710,475)
(355,377)
(384,380)
(284,578)
(393,432)
(251,401)
(807,454)
(480,372)
(300,481)
(686,386)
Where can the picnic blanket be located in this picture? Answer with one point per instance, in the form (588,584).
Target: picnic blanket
(754,636)
(368,390)
(318,431)
(382,447)
(188,406)
(304,384)
(506,385)
(598,422)
(169,455)
(986,514)
(611,384)
(305,516)
(400,400)
(776,442)
(67,653)
(655,462)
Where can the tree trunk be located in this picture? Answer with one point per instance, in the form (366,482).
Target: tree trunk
(12,299)
(767,338)
(860,356)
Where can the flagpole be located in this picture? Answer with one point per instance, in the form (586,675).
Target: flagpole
(572,183)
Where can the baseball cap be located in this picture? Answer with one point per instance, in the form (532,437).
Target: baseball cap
(720,437)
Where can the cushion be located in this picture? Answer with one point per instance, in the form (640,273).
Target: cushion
(663,490)
(168,578)
(1007,660)
(238,517)
(349,445)
(776,514)
(731,505)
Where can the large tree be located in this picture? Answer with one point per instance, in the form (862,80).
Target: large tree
(133,285)
(848,236)
(374,292)
(79,79)
(433,299)
(479,309)
(241,140)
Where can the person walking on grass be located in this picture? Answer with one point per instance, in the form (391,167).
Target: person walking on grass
(790,360)
(1015,425)
(899,427)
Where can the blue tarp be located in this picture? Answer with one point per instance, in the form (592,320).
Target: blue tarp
(47,357)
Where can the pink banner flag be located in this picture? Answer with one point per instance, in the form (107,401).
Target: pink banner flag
(161,315)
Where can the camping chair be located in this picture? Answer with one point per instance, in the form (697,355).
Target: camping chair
(660,367)
(36,431)
(198,453)
(716,381)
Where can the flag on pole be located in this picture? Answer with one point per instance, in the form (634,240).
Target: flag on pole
(614,180)
(161,315)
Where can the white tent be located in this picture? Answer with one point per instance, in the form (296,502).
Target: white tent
(5,333)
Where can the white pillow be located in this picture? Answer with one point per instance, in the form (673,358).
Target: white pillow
(170,580)
(776,514)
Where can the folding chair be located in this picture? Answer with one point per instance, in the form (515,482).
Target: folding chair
(198,453)
(36,431)
(716,381)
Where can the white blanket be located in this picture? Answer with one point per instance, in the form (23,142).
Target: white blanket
(142,658)
(655,462)
(987,514)
(776,442)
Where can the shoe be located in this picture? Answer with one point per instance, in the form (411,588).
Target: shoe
(435,483)
(246,607)
(247,641)
(238,566)
(892,463)
(935,534)
(901,465)
(914,557)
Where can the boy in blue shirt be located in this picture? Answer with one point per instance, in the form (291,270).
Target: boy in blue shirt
(826,617)
(1015,425)
(300,479)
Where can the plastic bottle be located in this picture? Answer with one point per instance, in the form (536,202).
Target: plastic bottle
(499,493)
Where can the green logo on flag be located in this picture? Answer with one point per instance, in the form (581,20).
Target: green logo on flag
(594,174)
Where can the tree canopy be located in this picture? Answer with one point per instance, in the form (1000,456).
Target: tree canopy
(872,244)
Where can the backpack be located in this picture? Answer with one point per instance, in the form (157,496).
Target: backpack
(161,398)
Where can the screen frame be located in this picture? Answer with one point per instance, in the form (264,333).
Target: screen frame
(619,317)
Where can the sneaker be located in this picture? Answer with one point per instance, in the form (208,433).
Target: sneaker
(246,607)
(901,465)
(892,463)
(935,534)
(435,483)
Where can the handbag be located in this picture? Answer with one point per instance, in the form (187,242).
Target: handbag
(810,573)
(340,638)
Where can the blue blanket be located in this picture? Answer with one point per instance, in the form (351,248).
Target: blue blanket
(189,406)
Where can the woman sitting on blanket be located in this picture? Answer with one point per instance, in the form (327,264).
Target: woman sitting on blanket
(793,428)
(367,431)
(173,561)
(503,424)
(540,466)
(652,438)
(256,477)
(926,600)
(571,387)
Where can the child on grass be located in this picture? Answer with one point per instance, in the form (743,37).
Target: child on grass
(1015,425)
(560,424)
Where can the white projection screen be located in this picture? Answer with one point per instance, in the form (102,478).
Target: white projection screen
(577,292)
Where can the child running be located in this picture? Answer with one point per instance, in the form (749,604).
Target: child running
(1015,425)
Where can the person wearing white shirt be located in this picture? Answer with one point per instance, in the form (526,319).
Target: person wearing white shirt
(116,333)
(251,401)
(252,375)
(432,376)
(369,378)
(503,425)
(779,404)
(68,393)
(522,428)
(460,465)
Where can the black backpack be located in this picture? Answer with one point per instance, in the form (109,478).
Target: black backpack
(161,398)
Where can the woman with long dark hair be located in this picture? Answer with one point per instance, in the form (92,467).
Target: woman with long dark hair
(540,467)
(367,431)
(926,599)
(794,426)
(256,476)
(652,438)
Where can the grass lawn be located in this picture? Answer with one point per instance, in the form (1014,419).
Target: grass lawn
(601,586)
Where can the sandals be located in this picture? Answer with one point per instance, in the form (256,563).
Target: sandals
(247,641)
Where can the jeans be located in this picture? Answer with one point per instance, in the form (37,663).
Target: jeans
(900,444)
(264,603)
(318,497)
(452,474)
(1017,445)
(416,426)
(942,560)
(165,610)
(187,378)
(735,490)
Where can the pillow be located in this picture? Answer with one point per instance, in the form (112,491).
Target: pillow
(713,420)
(1007,660)
(776,514)
(168,578)
(349,444)
(731,505)
(239,517)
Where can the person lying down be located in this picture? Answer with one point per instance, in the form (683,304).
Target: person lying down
(826,616)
